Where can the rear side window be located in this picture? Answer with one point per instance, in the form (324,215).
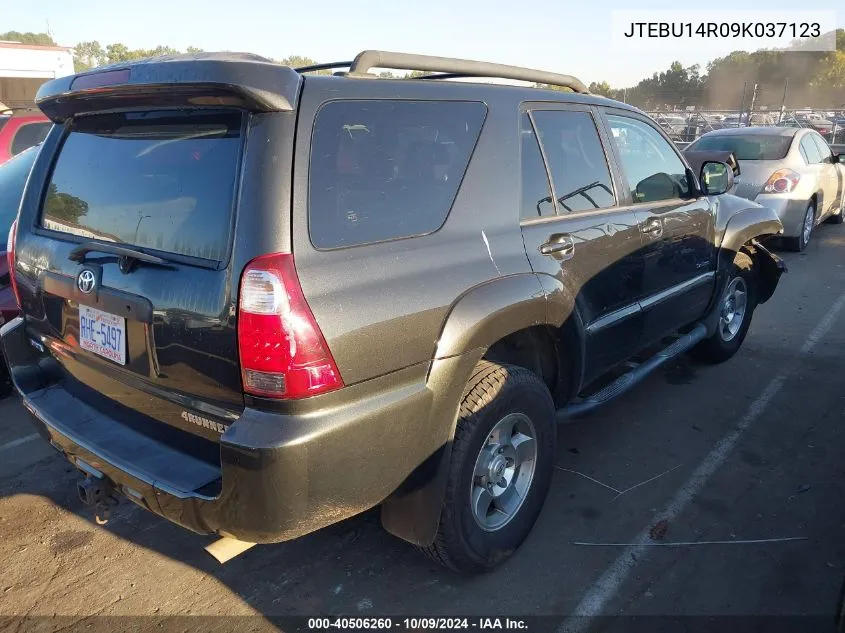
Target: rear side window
(29,135)
(810,151)
(824,149)
(160,180)
(576,160)
(386,169)
(536,193)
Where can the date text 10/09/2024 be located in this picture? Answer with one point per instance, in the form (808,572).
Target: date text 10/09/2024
(722,29)
(425,623)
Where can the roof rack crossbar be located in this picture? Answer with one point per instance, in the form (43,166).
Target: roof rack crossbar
(327,66)
(367,60)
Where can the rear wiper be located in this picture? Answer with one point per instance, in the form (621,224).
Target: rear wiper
(127,255)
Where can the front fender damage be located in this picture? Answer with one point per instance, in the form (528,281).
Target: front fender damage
(744,230)
(743,226)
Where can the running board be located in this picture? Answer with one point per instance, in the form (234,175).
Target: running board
(627,381)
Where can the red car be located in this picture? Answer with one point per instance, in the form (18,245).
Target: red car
(13,175)
(21,130)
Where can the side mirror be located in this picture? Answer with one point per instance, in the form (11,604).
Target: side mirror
(716,178)
(836,158)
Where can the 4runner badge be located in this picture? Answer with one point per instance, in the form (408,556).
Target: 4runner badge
(204,422)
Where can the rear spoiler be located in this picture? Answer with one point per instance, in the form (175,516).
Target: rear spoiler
(202,79)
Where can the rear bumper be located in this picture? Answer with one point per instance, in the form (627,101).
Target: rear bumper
(790,211)
(279,476)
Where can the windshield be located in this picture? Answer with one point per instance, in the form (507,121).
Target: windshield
(746,146)
(13,175)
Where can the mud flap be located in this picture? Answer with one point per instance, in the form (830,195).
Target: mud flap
(771,268)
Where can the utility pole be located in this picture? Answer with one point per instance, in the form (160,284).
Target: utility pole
(751,107)
(742,104)
(783,101)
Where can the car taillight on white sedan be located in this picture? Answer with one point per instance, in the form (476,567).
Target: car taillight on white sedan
(782,181)
(283,353)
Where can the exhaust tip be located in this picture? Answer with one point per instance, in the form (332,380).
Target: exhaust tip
(226,548)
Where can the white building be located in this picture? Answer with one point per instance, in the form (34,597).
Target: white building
(24,67)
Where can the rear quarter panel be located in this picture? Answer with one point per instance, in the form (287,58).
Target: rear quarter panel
(382,306)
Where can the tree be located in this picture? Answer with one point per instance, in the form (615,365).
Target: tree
(831,74)
(602,88)
(297,61)
(87,55)
(118,53)
(553,87)
(63,207)
(36,39)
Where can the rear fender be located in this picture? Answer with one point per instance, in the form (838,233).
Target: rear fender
(479,318)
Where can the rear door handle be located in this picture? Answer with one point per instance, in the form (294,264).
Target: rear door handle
(653,227)
(561,246)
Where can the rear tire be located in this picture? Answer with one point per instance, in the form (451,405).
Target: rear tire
(799,244)
(736,312)
(493,454)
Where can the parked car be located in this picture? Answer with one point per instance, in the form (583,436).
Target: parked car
(256,323)
(20,131)
(822,126)
(791,170)
(13,176)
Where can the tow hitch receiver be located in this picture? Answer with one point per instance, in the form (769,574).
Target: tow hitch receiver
(99,494)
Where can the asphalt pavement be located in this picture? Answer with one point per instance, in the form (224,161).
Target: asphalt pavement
(707,491)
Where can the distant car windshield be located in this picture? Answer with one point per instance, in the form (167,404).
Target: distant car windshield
(13,175)
(746,146)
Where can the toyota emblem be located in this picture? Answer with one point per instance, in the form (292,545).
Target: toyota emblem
(86,281)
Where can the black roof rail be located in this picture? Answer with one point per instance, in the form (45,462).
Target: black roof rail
(367,60)
(328,66)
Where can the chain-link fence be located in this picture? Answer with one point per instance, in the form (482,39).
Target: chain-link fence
(686,126)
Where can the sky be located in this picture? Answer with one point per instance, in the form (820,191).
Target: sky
(558,35)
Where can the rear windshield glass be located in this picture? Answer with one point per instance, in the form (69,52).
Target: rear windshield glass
(746,147)
(381,170)
(158,180)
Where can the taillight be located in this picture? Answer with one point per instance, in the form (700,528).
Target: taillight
(782,181)
(10,255)
(283,353)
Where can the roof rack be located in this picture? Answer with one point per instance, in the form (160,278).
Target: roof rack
(452,67)
(329,66)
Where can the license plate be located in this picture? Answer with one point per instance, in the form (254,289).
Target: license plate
(102,333)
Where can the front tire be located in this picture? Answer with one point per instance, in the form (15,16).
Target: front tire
(737,304)
(500,471)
